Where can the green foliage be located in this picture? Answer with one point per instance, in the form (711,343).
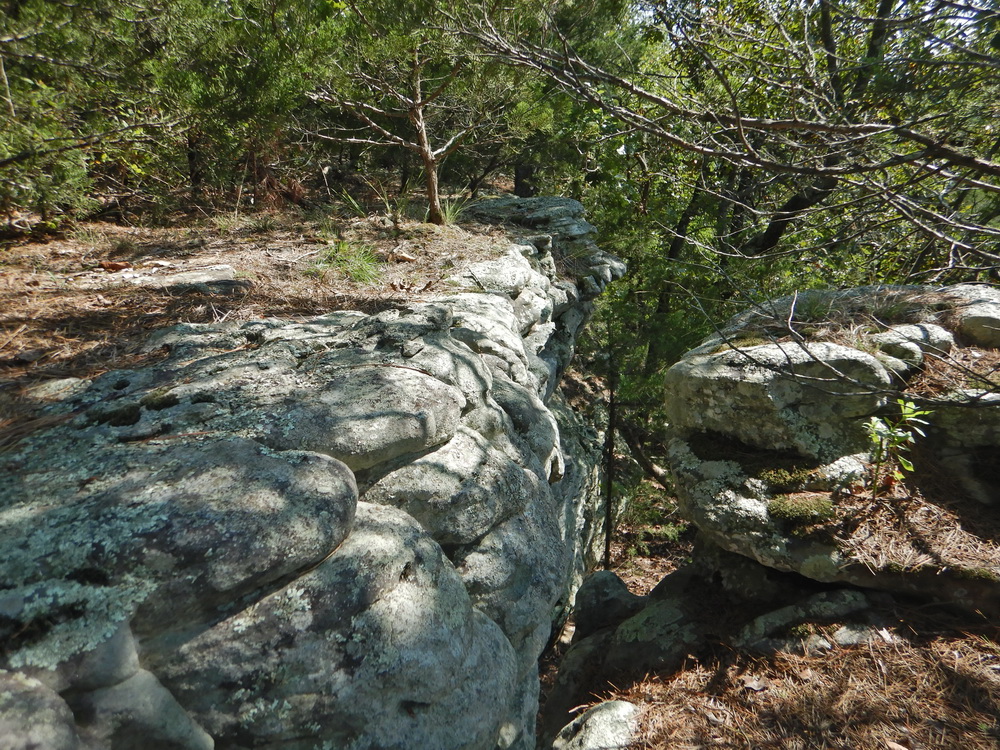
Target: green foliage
(647,513)
(73,103)
(453,208)
(891,439)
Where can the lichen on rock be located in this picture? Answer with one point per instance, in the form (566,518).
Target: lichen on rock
(352,531)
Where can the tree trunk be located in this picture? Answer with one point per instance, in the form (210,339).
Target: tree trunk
(524,180)
(806,198)
(434,213)
(656,351)
(476,181)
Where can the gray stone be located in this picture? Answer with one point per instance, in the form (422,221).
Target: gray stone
(138,712)
(979,313)
(201,276)
(854,635)
(606,726)
(733,511)
(508,275)
(899,347)
(114,661)
(663,632)
(602,601)
(202,504)
(377,647)
(902,369)
(584,522)
(824,606)
(581,669)
(927,337)
(533,420)
(34,717)
(368,415)
(657,638)
(56,390)
(812,398)
(805,397)
(967,419)
(162,534)
(460,491)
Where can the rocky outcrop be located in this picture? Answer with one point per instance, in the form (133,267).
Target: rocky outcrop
(773,445)
(607,726)
(352,532)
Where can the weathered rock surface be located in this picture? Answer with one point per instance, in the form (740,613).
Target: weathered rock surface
(377,647)
(349,532)
(768,438)
(797,396)
(602,601)
(33,715)
(656,635)
(979,313)
(607,726)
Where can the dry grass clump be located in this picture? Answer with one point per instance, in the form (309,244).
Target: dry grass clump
(827,315)
(964,368)
(925,522)
(903,691)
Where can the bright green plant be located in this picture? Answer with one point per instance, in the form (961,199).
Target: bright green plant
(891,439)
(452,209)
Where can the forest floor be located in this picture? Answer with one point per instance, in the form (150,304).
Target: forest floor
(83,303)
(929,680)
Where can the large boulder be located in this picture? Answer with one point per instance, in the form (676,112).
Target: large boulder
(378,646)
(805,397)
(163,534)
(607,726)
(978,313)
(775,455)
(350,531)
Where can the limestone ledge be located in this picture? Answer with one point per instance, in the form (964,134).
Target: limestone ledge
(349,532)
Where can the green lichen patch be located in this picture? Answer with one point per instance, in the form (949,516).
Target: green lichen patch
(60,619)
(801,508)
(161,398)
(791,476)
